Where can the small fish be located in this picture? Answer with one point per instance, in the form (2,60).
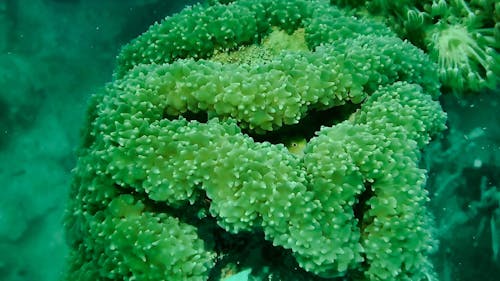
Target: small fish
(296,145)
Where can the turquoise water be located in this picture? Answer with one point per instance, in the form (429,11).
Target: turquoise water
(55,54)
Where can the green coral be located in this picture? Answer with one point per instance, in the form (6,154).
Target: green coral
(171,160)
(462,36)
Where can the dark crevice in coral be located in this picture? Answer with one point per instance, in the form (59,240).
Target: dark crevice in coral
(308,125)
(186,212)
(361,206)
(201,117)
(360,209)
(223,2)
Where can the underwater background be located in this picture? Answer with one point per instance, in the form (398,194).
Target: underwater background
(55,53)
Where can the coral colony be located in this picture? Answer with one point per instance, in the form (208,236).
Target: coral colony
(186,170)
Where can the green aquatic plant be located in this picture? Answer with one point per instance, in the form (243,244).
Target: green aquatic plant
(178,155)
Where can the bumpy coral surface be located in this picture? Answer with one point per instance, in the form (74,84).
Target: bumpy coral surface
(184,150)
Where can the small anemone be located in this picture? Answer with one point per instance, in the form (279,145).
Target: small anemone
(466,62)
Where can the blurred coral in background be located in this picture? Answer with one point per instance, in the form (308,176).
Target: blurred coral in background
(463,36)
